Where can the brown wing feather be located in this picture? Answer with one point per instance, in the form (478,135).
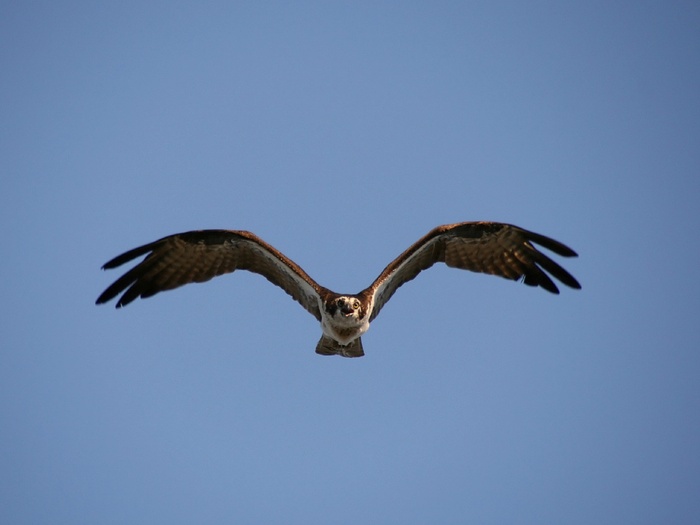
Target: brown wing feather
(484,247)
(198,256)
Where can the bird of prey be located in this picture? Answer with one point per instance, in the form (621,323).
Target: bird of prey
(197,256)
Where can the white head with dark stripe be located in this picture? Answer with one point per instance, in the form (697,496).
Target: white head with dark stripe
(345,309)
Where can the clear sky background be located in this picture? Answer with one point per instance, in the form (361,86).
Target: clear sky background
(340,133)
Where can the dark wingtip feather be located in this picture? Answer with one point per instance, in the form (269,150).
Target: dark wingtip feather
(126,280)
(130,255)
(110,293)
(574,283)
(549,243)
(551,289)
(537,277)
(554,269)
(547,283)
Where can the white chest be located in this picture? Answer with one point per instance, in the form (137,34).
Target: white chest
(343,330)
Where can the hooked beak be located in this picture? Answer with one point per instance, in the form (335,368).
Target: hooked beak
(346,310)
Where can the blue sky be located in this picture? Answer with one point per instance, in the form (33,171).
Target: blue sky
(340,133)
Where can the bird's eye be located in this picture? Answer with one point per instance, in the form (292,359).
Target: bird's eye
(341,302)
(356,305)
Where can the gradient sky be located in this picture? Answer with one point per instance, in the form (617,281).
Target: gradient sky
(340,133)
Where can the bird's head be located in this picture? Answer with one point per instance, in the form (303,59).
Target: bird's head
(346,308)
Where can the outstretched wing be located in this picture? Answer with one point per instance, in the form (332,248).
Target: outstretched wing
(197,256)
(484,247)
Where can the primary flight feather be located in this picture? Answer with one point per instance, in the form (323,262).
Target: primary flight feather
(197,256)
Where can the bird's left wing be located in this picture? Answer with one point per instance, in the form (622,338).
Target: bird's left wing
(485,247)
(197,256)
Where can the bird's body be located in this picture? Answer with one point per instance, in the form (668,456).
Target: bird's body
(197,256)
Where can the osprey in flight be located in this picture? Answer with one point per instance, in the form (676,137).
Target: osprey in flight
(197,256)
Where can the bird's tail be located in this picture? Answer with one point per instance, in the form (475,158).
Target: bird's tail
(328,346)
